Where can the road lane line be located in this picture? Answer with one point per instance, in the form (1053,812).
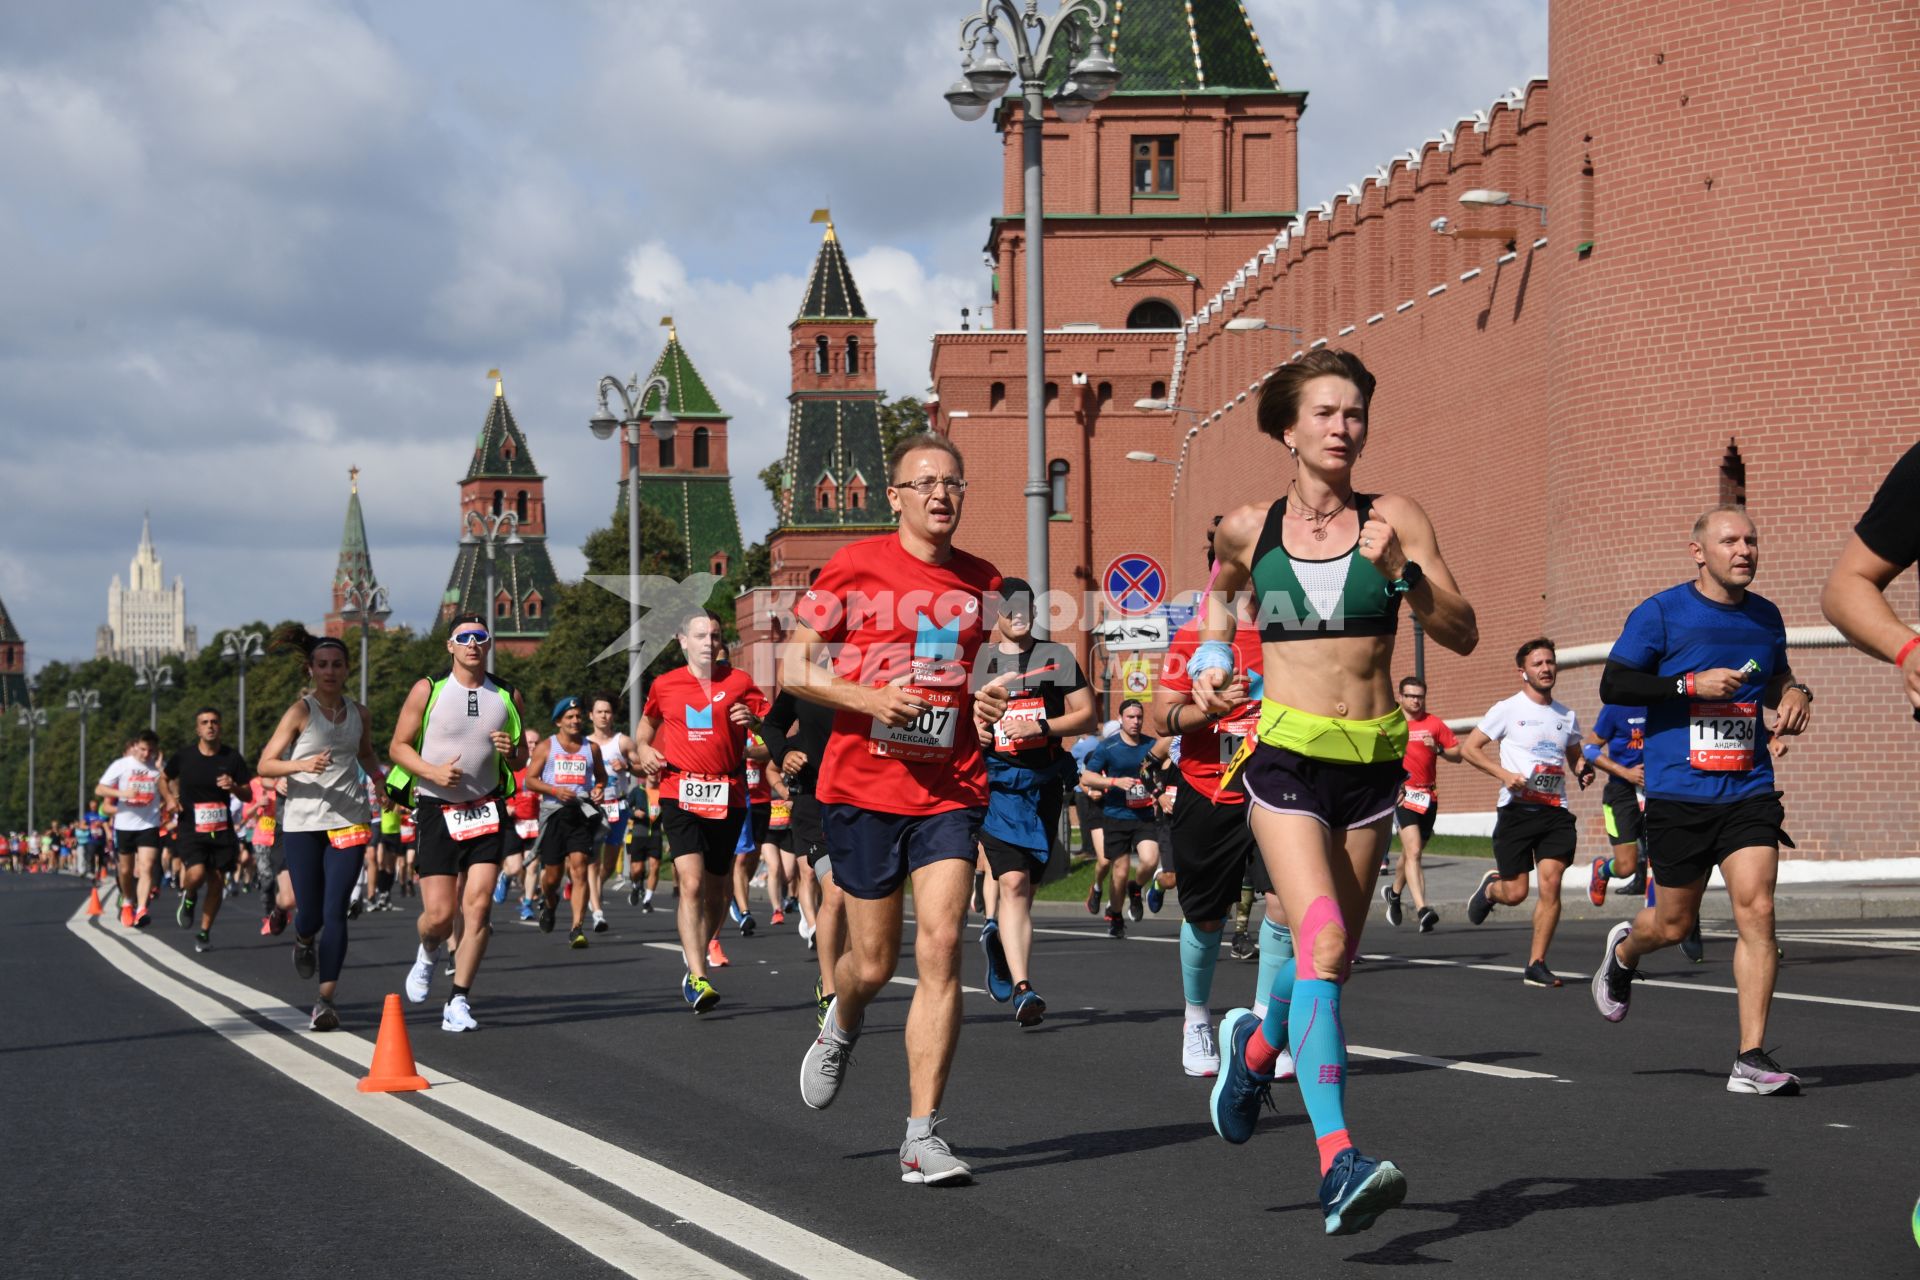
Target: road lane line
(905,982)
(1451,1064)
(592,1225)
(740,1224)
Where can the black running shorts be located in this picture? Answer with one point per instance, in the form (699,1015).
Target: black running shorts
(1524,834)
(1686,841)
(1622,802)
(689,835)
(1211,847)
(437,853)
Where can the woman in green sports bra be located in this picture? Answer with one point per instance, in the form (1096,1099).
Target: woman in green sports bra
(1328,568)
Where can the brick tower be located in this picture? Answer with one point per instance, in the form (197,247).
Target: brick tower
(13,664)
(355,570)
(502,478)
(685,479)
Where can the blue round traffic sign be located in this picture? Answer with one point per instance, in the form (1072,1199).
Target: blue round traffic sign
(1135,584)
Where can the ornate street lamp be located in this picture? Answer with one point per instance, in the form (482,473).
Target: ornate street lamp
(153,680)
(33,720)
(482,531)
(364,603)
(85,701)
(633,398)
(242,647)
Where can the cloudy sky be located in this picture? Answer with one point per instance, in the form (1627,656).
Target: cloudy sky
(247,243)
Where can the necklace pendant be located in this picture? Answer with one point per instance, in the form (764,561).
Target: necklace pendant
(1320,535)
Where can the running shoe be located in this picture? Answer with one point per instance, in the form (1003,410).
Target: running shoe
(746,924)
(279,918)
(526,909)
(1693,945)
(451,953)
(979,894)
(1116,925)
(999,975)
(1238,1093)
(126,916)
(1479,905)
(1156,896)
(1029,1010)
(1613,981)
(325,1017)
(183,914)
(806,932)
(1538,975)
(578,938)
(824,1069)
(1428,918)
(304,959)
(420,976)
(1755,1071)
(547,909)
(202,943)
(355,906)
(1392,899)
(791,905)
(646,903)
(1357,1190)
(927,1159)
(500,889)
(715,956)
(734,913)
(1093,898)
(699,993)
(1133,901)
(1634,887)
(1243,948)
(142,918)
(633,897)
(1199,1054)
(458,1016)
(599,922)
(1597,883)
(266,926)
(778,917)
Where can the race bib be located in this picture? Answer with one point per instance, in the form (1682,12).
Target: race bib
(753,775)
(928,738)
(1416,800)
(781,816)
(210,817)
(613,811)
(1721,735)
(263,829)
(704,796)
(407,831)
(1170,795)
(570,771)
(526,828)
(350,837)
(1019,711)
(1236,730)
(1139,795)
(140,791)
(469,822)
(1547,785)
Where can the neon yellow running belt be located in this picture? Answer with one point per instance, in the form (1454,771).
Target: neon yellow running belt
(1325,738)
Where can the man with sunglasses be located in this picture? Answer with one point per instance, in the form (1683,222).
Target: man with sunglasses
(455,748)
(903,787)
(201,782)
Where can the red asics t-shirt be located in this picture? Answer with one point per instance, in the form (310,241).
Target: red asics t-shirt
(758,792)
(691,726)
(1425,738)
(1204,751)
(892,615)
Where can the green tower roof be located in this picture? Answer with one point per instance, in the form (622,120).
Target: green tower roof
(690,398)
(356,560)
(1185,46)
(501,449)
(831,292)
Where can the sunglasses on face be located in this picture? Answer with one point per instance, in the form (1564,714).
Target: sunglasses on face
(472,638)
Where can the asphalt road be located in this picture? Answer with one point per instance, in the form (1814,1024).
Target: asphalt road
(162,1119)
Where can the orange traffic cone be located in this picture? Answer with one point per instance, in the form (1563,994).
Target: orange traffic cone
(93,903)
(392,1055)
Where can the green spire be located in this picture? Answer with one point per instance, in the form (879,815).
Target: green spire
(691,399)
(1184,46)
(501,449)
(356,561)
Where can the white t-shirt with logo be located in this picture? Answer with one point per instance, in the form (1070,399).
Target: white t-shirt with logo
(128,776)
(1533,743)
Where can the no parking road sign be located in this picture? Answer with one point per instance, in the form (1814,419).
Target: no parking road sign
(1135,584)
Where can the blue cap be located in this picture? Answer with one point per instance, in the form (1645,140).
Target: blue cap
(563,706)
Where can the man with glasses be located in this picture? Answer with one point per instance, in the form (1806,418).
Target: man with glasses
(903,787)
(1429,741)
(201,782)
(455,748)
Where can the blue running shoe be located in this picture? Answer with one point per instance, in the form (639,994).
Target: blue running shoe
(1237,1092)
(526,908)
(1029,1010)
(1156,896)
(733,912)
(999,974)
(1358,1190)
(500,889)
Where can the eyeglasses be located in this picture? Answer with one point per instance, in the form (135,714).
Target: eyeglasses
(925,485)
(472,638)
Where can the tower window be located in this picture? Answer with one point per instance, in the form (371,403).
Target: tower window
(1153,314)
(499,500)
(821,356)
(1156,168)
(701,457)
(996,395)
(853,353)
(1733,477)
(1057,477)
(1053,393)
(1105,393)
(1157,390)
(520,507)
(719,565)
(666,452)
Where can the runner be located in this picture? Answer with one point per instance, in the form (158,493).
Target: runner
(1324,771)
(754,838)
(276,886)
(455,748)
(797,734)
(210,777)
(1047,699)
(324,828)
(1884,545)
(1704,657)
(520,843)
(903,787)
(1616,744)
(1428,742)
(133,784)
(568,775)
(643,844)
(1539,747)
(1086,810)
(603,711)
(691,739)
(1120,768)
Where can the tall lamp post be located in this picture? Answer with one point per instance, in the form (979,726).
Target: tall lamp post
(153,680)
(633,397)
(478,531)
(365,603)
(242,647)
(84,701)
(1076,36)
(34,719)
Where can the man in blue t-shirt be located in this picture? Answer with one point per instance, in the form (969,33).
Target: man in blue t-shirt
(1120,769)
(1705,657)
(1616,745)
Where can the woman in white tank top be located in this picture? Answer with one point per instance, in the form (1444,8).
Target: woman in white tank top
(323,747)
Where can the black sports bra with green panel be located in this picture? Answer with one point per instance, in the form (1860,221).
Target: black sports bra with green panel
(1300,599)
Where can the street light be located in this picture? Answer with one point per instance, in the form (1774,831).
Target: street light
(1164,406)
(83,701)
(1141,455)
(365,602)
(34,719)
(1254,324)
(243,647)
(1483,198)
(1073,39)
(488,536)
(153,680)
(633,397)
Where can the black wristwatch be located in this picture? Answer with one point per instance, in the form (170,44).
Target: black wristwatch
(1046,730)
(1803,689)
(1409,580)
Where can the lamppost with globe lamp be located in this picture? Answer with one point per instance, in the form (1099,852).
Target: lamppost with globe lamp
(153,680)
(242,647)
(85,701)
(478,530)
(633,399)
(1076,36)
(33,720)
(364,603)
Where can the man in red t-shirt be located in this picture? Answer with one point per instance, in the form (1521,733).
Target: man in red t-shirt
(1428,740)
(903,787)
(690,740)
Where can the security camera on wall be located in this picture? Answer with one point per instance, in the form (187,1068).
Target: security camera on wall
(1439,224)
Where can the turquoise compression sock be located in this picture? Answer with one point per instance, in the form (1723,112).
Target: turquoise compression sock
(1276,955)
(1199,953)
(1320,1053)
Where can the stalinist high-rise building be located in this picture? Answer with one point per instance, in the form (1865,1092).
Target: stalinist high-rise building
(146,619)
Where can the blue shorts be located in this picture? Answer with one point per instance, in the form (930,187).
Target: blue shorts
(874,853)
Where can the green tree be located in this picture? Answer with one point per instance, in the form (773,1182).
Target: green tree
(774,477)
(899,419)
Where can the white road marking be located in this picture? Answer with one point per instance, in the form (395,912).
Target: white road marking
(905,982)
(740,1224)
(1477,1068)
(1864,938)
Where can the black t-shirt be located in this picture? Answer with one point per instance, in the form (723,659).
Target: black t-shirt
(797,725)
(1891,526)
(196,772)
(1045,693)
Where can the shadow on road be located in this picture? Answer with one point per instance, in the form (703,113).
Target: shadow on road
(1838,1076)
(1062,1148)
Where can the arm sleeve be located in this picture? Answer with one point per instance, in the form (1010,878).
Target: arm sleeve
(1630,687)
(1891,525)
(172,768)
(1173,667)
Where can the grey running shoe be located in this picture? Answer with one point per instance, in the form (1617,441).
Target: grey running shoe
(1538,975)
(927,1159)
(1242,948)
(1755,1072)
(1613,981)
(1694,947)
(325,1017)
(305,958)
(824,1068)
(1428,918)
(1479,905)
(1392,899)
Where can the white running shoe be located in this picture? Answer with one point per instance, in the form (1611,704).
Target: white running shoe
(1199,1055)
(1283,1068)
(806,932)
(420,977)
(458,1016)
(599,922)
